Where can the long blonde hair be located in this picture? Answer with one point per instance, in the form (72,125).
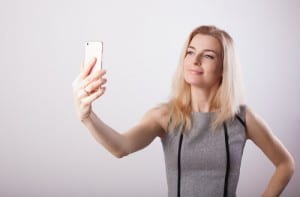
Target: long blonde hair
(229,95)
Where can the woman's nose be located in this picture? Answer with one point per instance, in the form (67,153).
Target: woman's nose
(197,60)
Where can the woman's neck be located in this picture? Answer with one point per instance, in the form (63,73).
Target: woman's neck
(202,99)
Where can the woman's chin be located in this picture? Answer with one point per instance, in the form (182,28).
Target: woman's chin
(196,83)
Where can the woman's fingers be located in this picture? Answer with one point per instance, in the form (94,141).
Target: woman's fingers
(95,85)
(90,88)
(93,77)
(88,68)
(87,87)
(86,101)
(83,87)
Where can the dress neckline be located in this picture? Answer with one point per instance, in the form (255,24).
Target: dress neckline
(204,113)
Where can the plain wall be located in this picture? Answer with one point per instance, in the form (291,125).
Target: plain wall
(44,148)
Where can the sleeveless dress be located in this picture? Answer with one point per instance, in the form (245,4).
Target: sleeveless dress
(205,162)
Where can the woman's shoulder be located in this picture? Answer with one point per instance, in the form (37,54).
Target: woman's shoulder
(254,122)
(162,109)
(250,115)
(160,114)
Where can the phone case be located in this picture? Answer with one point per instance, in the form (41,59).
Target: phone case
(94,49)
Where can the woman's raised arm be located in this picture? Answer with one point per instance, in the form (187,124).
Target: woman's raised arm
(87,88)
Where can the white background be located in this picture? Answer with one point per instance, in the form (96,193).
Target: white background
(46,151)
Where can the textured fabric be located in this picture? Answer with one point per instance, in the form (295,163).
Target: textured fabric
(203,157)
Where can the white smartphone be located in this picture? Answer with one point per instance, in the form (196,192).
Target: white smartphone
(94,49)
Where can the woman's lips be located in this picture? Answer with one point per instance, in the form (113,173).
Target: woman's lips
(196,72)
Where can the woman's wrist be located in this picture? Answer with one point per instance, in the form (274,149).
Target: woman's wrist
(86,117)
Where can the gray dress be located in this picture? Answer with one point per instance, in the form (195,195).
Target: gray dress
(203,162)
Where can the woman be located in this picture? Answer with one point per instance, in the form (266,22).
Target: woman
(203,127)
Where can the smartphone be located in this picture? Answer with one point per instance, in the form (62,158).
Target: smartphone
(94,49)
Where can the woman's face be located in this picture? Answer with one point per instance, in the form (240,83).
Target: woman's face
(202,63)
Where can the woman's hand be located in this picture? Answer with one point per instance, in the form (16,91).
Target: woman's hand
(87,87)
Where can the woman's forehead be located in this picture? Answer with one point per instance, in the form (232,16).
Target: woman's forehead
(205,42)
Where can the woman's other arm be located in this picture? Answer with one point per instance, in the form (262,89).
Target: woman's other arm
(259,132)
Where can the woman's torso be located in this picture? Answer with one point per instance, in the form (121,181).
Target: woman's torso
(203,159)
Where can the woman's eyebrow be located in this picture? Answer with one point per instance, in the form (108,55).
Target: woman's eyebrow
(205,50)
(210,50)
(191,47)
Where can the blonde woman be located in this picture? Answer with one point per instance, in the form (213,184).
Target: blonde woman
(203,127)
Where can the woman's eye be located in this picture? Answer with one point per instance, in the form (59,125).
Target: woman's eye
(189,52)
(209,56)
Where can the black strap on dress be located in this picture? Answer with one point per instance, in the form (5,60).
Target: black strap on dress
(179,165)
(225,193)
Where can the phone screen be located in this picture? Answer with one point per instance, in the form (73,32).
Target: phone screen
(94,49)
